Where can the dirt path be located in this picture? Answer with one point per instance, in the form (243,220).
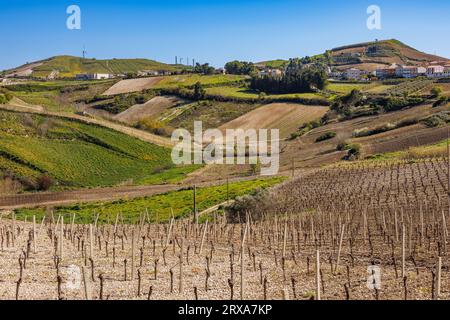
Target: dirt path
(31,200)
(139,134)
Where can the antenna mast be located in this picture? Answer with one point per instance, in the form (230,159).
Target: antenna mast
(84,52)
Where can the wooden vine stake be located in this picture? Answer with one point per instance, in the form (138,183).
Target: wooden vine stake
(61,235)
(203,237)
(242,260)
(91,242)
(318,282)
(86,286)
(133,245)
(34,234)
(181,267)
(340,247)
(403,251)
(438,278)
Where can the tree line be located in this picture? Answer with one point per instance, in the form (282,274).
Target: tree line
(297,78)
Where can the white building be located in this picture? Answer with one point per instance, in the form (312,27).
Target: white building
(410,71)
(274,73)
(435,69)
(388,72)
(354,74)
(147,73)
(94,76)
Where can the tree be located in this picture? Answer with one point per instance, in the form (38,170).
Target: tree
(204,68)
(298,78)
(199,91)
(436,92)
(240,67)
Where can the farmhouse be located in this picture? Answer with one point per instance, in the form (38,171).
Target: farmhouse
(388,72)
(273,73)
(94,76)
(144,73)
(410,71)
(354,74)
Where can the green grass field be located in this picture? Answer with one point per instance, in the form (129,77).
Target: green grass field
(346,87)
(80,155)
(159,207)
(69,66)
(245,93)
(188,80)
(59,95)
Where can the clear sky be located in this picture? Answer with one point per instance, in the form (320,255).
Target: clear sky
(214,31)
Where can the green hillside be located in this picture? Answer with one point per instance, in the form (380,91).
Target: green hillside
(77,155)
(69,66)
(276,64)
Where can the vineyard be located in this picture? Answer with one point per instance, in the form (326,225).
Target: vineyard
(327,234)
(409,87)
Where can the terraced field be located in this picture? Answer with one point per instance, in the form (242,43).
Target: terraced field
(135,85)
(132,85)
(287,117)
(151,109)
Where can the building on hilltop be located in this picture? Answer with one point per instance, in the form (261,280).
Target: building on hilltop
(388,72)
(94,76)
(273,73)
(410,71)
(355,74)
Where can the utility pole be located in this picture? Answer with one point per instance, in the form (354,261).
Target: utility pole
(84,52)
(448,161)
(176,60)
(195,205)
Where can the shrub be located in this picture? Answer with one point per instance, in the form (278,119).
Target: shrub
(256,203)
(154,126)
(436,92)
(5,97)
(44,183)
(326,136)
(441,101)
(437,120)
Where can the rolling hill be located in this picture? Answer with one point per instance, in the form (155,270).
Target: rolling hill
(69,66)
(76,154)
(369,56)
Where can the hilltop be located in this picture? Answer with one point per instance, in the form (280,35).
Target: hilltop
(69,66)
(369,56)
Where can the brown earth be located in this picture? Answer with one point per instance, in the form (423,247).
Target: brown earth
(132,85)
(287,117)
(306,152)
(151,109)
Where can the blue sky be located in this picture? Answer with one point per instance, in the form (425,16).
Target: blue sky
(212,31)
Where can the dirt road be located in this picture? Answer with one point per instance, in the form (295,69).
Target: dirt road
(42,199)
(86,195)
